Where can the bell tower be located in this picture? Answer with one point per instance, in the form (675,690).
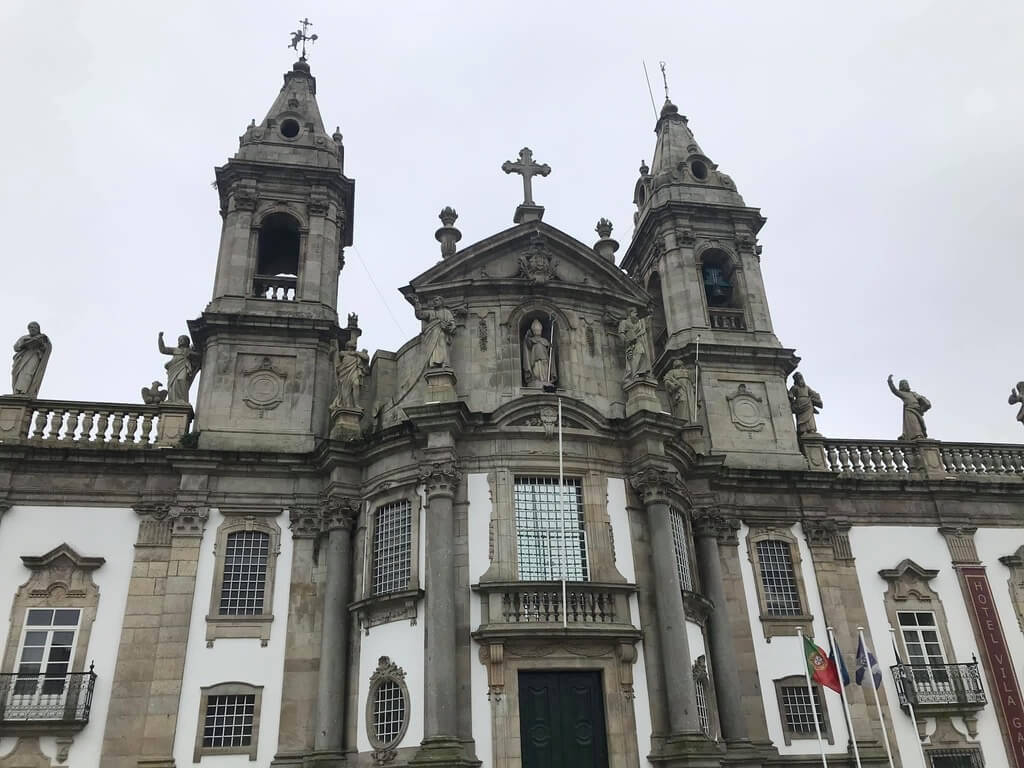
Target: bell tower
(271,328)
(695,250)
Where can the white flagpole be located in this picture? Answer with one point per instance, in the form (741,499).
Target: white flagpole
(810,695)
(874,690)
(696,379)
(910,707)
(842,694)
(561,514)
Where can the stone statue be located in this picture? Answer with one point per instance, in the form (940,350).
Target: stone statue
(31,354)
(539,367)
(804,403)
(914,407)
(1017,396)
(181,368)
(677,384)
(438,333)
(154,395)
(350,368)
(633,330)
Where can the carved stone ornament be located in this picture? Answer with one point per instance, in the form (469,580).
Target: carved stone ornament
(745,409)
(1015,563)
(655,485)
(828,537)
(960,540)
(481,331)
(909,580)
(305,522)
(188,521)
(263,387)
(154,525)
(245,194)
(386,669)
(536,264)
(340,512)
(709,521)
(441,478)
(492,655)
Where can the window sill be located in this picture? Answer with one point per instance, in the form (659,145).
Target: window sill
(383,609)
(245,627)
(784,626)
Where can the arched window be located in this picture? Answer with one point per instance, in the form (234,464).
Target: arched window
(277,258)
(659,325)
(387,706)
(725,306)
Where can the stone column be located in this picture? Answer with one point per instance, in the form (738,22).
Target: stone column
(655,486)
(707,527)
(440,731)
(338,521)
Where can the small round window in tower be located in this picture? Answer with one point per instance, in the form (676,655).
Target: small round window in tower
(290,128)
(699,170)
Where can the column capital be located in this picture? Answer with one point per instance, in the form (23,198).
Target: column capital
(828,537)
(155,510)
(709,522)
(654,485)
(304,522)
(960,540)
(188,520)
(340,512)
(440,478)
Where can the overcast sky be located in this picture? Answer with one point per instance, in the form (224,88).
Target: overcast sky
(882,140)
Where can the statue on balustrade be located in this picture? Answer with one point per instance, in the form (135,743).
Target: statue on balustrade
(914,408)
(181,368)
(804,402)
(1017,396)
(540,369)
(438,333)
(154,395)
(677,384)
(31,354)
(633,330)
(350,368)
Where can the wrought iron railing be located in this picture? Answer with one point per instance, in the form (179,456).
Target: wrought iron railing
(939,685)
(40,699)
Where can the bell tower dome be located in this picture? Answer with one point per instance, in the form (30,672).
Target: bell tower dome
(270,330)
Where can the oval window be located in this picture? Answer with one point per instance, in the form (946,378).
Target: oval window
(387,706)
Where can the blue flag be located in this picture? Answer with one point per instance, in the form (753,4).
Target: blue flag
(836,657)
(866,660)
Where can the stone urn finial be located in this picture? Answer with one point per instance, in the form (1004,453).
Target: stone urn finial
(606,246)
(447,235)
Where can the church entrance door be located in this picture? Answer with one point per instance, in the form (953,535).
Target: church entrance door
(561,717)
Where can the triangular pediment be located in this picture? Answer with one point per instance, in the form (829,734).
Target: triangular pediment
(532,257)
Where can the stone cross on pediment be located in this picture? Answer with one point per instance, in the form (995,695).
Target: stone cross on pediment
(527,168)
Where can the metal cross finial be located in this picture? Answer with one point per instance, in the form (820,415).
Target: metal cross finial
(526,168)
(664,78)
(300,36)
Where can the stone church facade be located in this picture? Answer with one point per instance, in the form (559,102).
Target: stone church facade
(573,522)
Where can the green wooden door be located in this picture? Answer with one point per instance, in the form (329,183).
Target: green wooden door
(561,717)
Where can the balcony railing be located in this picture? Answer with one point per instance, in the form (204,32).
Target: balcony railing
(726,319)
(524,606)
(45,700)
(945,686)
(888,458)
(276,287)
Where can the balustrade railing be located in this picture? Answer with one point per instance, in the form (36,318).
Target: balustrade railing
(276,287)
(931,457)
(871,457)
(939,685)
(40,699)
(81,424)
(727,319)
(975,459)
(540,603)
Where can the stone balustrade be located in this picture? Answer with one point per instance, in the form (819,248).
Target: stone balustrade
(83,424)
(727,319)
(275,287)
(523,606)
(931,458)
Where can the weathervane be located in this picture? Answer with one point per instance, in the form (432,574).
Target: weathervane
(664,77)
(300,36)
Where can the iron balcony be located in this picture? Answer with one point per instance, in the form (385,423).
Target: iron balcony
(45,702)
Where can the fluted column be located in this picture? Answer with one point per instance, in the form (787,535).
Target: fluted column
(655,487)
(708,526)
(338,519)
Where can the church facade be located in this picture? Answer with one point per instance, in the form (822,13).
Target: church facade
(582,519)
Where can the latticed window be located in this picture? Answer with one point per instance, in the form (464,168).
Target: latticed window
(955,758)
(798,712)
(244,585)
(680,542)
(550,534)
(229,721)
(703,715)
(388,712)
(392,547)
(778,579)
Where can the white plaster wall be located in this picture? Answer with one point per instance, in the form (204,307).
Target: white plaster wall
(232,659)
(91,531)
(784,655)
(881,547)
(478,521)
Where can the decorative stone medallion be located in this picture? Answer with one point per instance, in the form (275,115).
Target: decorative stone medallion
(263,387)
(745,410)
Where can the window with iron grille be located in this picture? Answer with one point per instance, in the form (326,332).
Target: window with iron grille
(388,712)
(681,543)
(244,584)
(703,715)
(392,548)
(778,580)
(955,758)
(551,537)
(229,721)
(798,711)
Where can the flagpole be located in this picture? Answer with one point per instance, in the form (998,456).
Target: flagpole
(810,695)
(874,690)
(910,707)
(561,514)
(696,379)
(840,666)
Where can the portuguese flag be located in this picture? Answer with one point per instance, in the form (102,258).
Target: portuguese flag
(822,669)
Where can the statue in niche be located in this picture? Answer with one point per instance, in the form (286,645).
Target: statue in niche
(804,402)
(914,407)
(154,394)
(1017,396)
(31,354)
(540,369)
(633,330)
(350,368)
(677,384)
(438,333)
(181,368)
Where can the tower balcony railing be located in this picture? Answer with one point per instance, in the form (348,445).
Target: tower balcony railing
(275,287)
(880,459)
(66,423)
(727,319)
(949,687)
(43,701)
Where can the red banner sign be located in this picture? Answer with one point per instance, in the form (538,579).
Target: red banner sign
(996,659)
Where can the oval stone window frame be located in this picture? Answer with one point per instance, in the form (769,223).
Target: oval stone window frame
(387,672)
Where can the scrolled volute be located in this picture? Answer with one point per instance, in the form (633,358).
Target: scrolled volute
(440,478)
